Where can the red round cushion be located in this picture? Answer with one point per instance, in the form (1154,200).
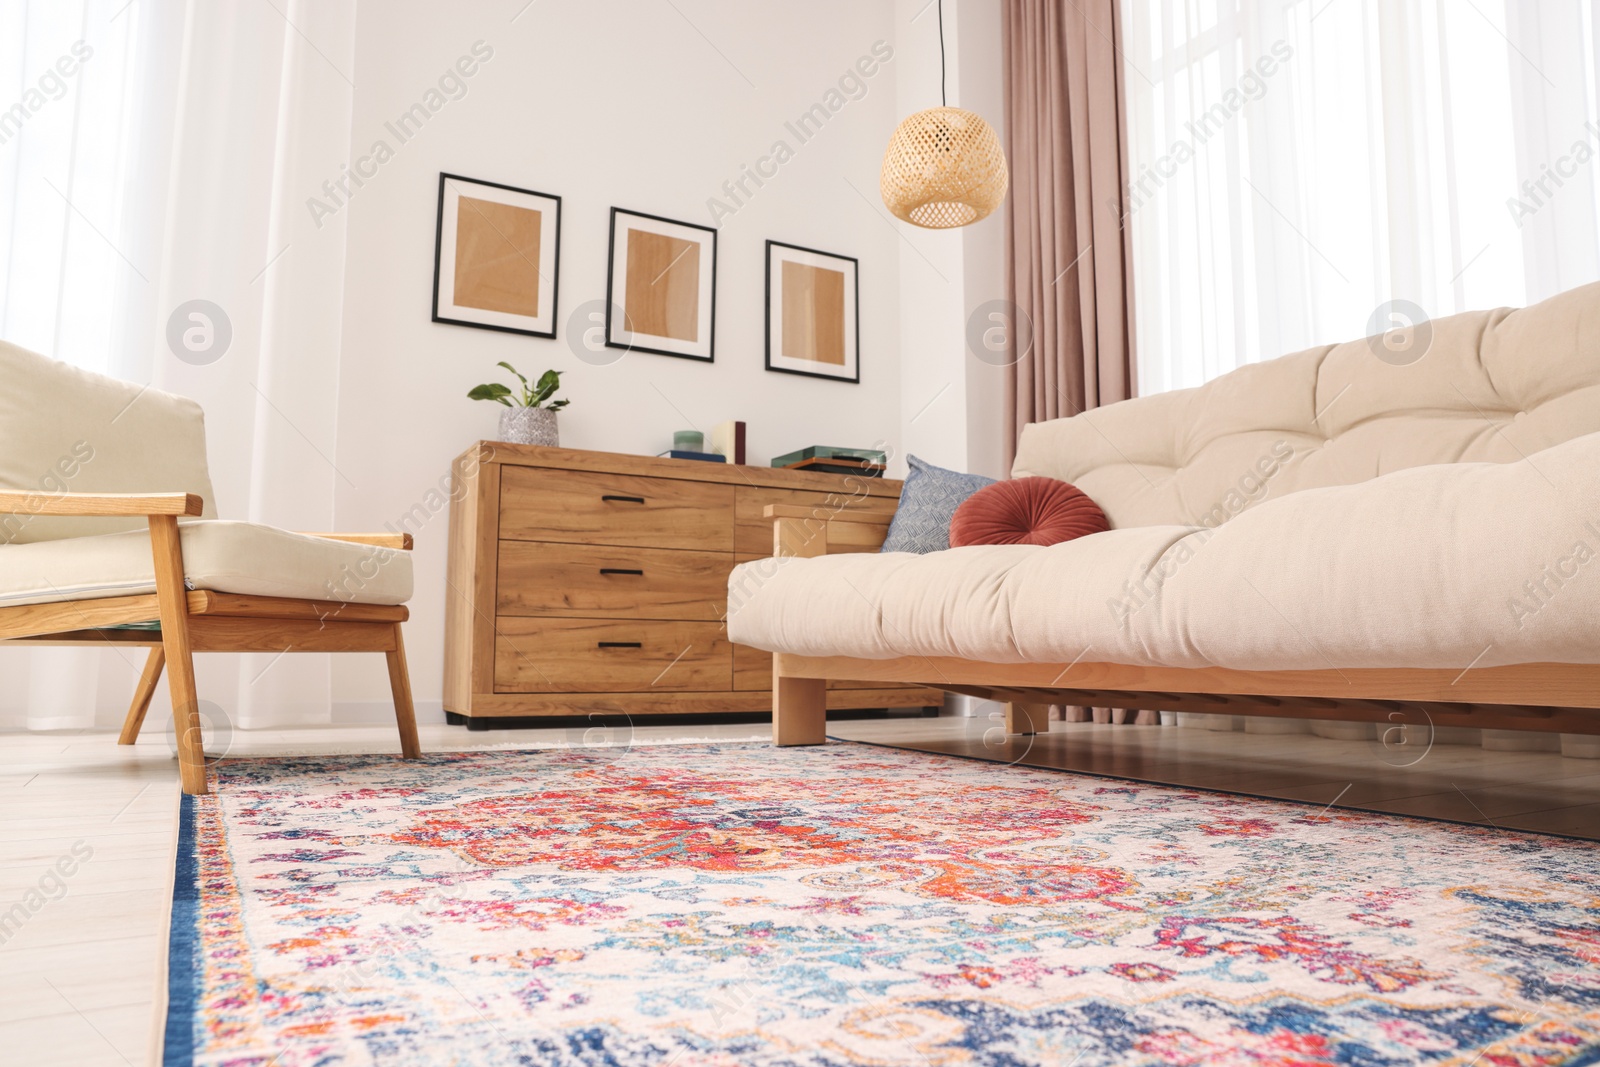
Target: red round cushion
(1026,511)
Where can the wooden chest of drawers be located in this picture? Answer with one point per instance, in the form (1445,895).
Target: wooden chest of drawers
(585,583)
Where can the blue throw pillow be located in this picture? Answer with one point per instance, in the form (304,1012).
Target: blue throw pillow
(927,502)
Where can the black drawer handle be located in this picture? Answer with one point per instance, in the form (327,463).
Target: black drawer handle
(621,644)
(621,570)
(624,499)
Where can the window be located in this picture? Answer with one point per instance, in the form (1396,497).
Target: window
(1297,164)
(66,133)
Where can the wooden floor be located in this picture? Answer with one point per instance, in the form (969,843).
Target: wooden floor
(1539,791)
(80,971)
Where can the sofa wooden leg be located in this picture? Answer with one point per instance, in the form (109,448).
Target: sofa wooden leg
(1027,718)
(799,711)
(405,713)
(142,695)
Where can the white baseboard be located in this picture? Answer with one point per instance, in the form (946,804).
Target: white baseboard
(63,722)
(353,712)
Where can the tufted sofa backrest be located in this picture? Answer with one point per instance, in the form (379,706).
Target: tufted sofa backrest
(66,430)
(1493,386)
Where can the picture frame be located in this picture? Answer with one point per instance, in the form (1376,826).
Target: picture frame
(496,257)
(813,320)
(661,286)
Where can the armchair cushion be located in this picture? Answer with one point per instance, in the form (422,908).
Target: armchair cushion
(227,557)
(63,429)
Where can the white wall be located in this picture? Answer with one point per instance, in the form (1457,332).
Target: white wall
(950,400)
(983,247)
(652,112)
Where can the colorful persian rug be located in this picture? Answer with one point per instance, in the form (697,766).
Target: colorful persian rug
(690,906)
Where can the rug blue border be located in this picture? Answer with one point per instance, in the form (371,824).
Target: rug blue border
(183,946)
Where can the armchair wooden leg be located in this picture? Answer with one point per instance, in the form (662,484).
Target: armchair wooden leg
(405,713)
(179,652)
(142,694)
(799,711)
(1027,718)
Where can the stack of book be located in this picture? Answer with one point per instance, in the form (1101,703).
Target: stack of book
(825,459)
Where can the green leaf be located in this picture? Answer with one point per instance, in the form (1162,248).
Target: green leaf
(558,405)
(549,382)
(512,369)
(491,391)
(527,390)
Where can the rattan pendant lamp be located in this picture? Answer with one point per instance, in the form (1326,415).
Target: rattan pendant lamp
(944,167)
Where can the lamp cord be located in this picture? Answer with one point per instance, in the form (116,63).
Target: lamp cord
(942,101)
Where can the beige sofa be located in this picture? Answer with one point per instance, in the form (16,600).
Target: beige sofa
(1337,533)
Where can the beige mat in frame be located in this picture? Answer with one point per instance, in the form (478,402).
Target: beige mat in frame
(496,257)
(813,317)
(661,280)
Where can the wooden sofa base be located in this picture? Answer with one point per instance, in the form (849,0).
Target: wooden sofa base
(1549,697)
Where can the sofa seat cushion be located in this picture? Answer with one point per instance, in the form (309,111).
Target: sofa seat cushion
(1455,565)
(227,557)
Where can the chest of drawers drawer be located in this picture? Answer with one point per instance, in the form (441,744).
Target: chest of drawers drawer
(553,579)
(534,655)
(593,508)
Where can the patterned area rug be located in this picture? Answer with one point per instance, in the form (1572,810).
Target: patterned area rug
(701,905)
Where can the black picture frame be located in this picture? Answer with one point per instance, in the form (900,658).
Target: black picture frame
(438,249)
(855,276)
(611,274)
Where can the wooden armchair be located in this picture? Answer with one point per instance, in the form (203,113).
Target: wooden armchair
(204,621)
(200,585)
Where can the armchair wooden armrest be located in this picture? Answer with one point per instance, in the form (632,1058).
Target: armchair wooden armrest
(99,504)
(400,541)
(798,530)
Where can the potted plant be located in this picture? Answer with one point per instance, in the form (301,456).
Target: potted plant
(531,419)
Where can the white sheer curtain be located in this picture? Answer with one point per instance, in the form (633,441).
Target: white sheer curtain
(162,152)
(65,72)
(65,76)
(1298,163)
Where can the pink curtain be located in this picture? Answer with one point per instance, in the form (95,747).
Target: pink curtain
(1068,248)
(1069,251)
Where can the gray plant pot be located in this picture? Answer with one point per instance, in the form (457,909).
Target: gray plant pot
(529,426)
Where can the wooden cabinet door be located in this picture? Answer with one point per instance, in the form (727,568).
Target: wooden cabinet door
(595,508)
(534,655)
(596,581)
